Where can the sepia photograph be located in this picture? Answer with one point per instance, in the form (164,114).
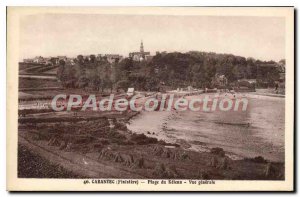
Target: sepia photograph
(153,98)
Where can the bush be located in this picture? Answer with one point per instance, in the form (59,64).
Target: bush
(218,151)
(143,139)
(258,159)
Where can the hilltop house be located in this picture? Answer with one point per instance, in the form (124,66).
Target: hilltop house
(141,55)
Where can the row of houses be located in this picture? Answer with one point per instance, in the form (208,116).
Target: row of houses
(45,60)
(111,58)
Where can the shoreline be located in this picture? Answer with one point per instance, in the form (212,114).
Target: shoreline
(90,141)
(157,126)
(100,148)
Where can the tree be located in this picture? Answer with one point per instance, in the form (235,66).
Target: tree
(173,69)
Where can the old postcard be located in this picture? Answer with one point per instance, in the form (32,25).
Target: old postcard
(150,98)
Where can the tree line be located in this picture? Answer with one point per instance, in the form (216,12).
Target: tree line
(170,70)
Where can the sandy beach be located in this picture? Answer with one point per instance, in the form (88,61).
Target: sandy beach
(259,131)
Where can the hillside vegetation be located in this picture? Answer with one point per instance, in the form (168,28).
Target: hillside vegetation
(171,70)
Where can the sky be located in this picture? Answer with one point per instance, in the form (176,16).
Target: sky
(73,34)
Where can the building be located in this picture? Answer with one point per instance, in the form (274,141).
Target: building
(28,60)
(130,92)
(47,60)
(141,55)
(112,58)
(54,60)
(220,81)
(148,57)
(245,85)
(62,58)
(39,60)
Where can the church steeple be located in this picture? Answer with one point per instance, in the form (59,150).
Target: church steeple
(142,47)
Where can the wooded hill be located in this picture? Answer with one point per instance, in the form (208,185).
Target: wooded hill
(171,70)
